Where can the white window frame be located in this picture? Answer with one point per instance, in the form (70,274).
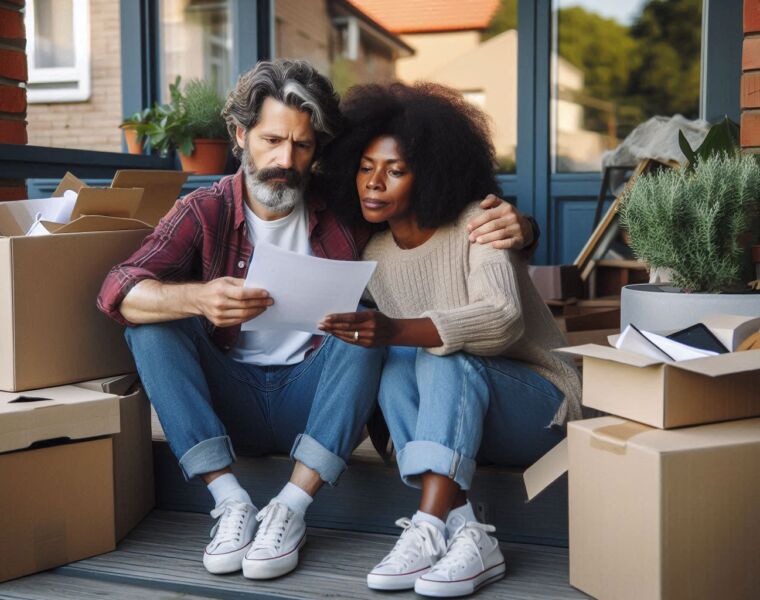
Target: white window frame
(39,88)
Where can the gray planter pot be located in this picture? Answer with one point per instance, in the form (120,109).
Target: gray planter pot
(663,308)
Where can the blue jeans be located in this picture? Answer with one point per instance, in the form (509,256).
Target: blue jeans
(207,402)
(446,413)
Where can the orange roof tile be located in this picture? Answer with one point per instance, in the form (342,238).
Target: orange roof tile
(418,16)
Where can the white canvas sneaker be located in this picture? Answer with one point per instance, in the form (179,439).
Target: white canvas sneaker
(473,559)
(415,552)
(274,551)
(232,536)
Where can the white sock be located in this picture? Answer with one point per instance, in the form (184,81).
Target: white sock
(225,488)
(465,511)
(420,516)
(294,498)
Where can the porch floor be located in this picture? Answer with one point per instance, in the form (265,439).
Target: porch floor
(161,559)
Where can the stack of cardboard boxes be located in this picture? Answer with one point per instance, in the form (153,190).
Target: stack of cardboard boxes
(664,497)
(75,460)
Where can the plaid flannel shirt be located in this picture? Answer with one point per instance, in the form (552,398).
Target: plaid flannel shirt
(204,237)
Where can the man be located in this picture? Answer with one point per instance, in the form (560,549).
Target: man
(182,296)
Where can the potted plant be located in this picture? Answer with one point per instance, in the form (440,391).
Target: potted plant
(698,223)
(133,128)
(205,129)
(192,124)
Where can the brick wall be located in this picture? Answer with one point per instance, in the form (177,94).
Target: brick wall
(94,124)
(12,95)
(750,87)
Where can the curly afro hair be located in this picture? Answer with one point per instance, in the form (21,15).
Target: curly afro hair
(444,139)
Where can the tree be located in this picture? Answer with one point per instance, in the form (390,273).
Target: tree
(504,19)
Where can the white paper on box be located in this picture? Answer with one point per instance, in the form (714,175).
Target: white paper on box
(55,210)
(304,288)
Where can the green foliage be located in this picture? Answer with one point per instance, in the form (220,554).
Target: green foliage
(203,108)
(504,19)
(342,75)
(722,137)
(699,222)
(194,113)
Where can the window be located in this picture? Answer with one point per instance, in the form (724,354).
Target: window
(196,43)
(615,64)
(58,49)
(469,46)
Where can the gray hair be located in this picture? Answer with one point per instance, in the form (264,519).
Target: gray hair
(293,82)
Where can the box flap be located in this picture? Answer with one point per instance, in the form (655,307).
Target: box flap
(613,354)
(107,202)
(722,364)
(17,216)
(50,413)
(162,188)
(69,182)
(92,223)
(547,469)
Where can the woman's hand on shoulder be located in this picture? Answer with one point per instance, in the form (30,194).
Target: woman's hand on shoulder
(501,225)
(367,328)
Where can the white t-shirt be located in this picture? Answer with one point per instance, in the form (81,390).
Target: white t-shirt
(276,347)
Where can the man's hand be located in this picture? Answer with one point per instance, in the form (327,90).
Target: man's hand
(501,225)
(225,302)
(368,328)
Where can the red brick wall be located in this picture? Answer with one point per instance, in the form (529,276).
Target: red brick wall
(750,91)
(12,95)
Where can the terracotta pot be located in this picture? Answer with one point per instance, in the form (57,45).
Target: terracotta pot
(208,157)
(133,145)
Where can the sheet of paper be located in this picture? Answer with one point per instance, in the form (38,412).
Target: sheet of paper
(304,288)
(55,210)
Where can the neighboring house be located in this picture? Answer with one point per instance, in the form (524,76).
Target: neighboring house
(75,95)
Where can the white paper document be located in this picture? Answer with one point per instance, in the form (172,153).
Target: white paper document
(304,288)
(55,210)
(657,346)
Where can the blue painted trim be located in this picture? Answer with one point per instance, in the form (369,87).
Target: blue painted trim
(244,21)
(526,108)
(542,135)
(721,59)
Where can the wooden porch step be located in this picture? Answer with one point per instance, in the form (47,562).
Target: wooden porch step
(164,554)
(370,496)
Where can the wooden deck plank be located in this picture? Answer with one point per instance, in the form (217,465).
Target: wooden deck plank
(48,586)
(165,553)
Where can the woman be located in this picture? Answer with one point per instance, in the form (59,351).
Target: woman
(470,374)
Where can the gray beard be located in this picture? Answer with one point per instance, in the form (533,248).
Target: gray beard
(275,197)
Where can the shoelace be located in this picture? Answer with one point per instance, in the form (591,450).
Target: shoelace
(274,518)
(229,527)
(407,548)
(463,547)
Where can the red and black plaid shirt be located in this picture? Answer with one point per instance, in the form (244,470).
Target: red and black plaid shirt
(205,237)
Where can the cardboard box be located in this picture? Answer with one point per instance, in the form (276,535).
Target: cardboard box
(134,488)
(57,502)
(556,282)
(51,332)
(661,515)
(664,514)
(666,395)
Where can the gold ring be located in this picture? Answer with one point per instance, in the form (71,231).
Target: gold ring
(356,336)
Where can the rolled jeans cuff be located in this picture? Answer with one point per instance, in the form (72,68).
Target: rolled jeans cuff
(421,456)
(207,456)
(314,455)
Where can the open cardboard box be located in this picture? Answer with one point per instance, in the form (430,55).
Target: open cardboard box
(659,514)
(56,504)
(670,394)
(51,332)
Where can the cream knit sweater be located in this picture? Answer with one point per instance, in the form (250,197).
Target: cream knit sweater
(481,300)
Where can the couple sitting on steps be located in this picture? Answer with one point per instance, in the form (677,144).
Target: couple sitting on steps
(457,352)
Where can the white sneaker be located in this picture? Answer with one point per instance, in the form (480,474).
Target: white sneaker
(232,536)
(473,559)
(274,552)
(415,552)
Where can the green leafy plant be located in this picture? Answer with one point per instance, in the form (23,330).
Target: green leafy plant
(192,113)
(699,222)
(722,137)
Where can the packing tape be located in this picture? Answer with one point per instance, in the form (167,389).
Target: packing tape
(614,438)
